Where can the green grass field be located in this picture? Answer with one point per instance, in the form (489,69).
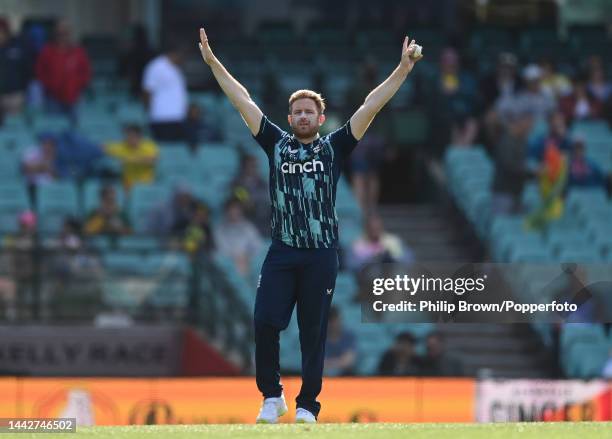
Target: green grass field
(567,430)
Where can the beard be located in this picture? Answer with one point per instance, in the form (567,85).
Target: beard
(304,131)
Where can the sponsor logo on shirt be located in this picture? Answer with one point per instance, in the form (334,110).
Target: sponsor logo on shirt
(299,168)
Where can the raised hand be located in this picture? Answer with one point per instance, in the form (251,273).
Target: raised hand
(408,54)
(205,49)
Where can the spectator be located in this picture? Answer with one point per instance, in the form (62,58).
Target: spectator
(437,362)
(503,82)
(554,83)
(76,287)
(368,157)
(77,156)
(557,135)
(39,163)
(198,237)
(510,154)
(63,69)
(21,247)
(400,359)
(135,58)
(580,103)
(252,190)
(199,129)
(237,238)
(174,216)
(340,348)
(532,100)
(453,105)
(553,179)
(13,71)
(166,95)
(377,246)
(137,156)
(57,157)
(583,172)
(108,218)
(597,85)
(366,162)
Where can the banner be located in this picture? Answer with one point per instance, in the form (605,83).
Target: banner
(108,401)
(542,400)
(233,400)
(89,351)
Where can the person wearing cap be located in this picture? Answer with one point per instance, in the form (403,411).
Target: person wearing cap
(532,99)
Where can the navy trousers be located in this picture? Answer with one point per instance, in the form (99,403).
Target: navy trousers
(290,276)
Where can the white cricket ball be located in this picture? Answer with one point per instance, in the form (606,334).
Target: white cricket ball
(417,51)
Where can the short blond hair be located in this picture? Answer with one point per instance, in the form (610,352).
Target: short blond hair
(309,94)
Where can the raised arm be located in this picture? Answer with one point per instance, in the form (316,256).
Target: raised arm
(237,94)
(360,121)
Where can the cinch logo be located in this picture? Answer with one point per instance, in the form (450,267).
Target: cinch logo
(295,168)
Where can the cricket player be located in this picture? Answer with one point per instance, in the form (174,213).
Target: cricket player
(302,262)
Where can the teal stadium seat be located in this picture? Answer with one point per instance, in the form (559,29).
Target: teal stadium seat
(13,201)
(175,161)
(584,350)
(51,123)
(56,201)
(143,199)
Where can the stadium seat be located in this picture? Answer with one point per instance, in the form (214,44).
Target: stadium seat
(587,254)
(566,239)
(175,161)
(170,295)
(143,199)
(16,141)
(529,255)
(511,241)
(138,243)
(132,114)
(56,202)
(218,159)
(583,349)
(125,263)
(579,198)
(168,263)
(13,201)
(530,197)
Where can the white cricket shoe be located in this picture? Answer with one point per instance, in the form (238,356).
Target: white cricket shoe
(303,416)
(271,409)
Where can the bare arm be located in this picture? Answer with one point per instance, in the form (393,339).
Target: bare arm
(376,100)
(237,94)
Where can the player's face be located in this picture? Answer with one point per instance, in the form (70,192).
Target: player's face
(305,119)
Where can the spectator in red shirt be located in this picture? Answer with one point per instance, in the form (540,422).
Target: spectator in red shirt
(63,69)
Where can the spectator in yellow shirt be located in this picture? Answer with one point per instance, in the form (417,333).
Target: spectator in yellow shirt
(137,156)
